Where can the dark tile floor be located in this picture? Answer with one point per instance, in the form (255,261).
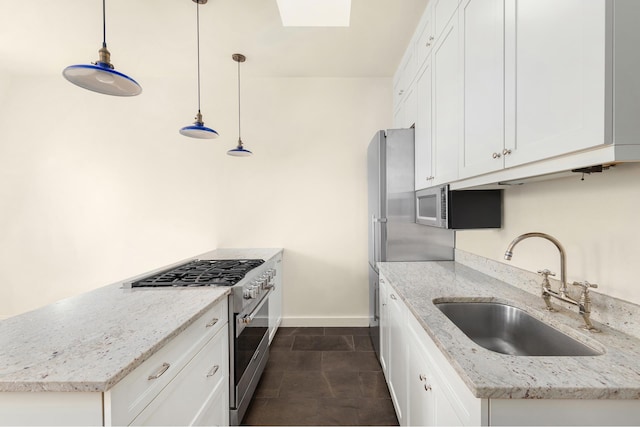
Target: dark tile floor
(321,376)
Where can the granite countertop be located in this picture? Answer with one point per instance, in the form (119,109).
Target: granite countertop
(612,375)
(91,341)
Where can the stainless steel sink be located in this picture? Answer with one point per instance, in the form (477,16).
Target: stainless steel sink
(509,330)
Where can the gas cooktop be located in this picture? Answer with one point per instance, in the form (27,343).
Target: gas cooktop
(204,272)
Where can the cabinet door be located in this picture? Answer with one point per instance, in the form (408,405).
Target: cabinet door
(482,48)
(425,37)
(397,369)
(555,77)
(447,96)
(423,148)
(421,410)
(410,106)
(384,325)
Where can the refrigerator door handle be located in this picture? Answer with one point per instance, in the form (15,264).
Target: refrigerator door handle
(374,220)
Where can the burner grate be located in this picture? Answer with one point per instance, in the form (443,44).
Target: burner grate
(225,272)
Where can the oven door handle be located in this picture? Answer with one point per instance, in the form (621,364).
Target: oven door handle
(248,318)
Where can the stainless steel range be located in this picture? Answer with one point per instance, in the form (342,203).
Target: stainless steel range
(251,281)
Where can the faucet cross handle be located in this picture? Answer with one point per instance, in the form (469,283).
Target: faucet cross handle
(546,273)
(585,285)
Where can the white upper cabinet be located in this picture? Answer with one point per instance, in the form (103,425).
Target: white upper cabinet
(423,146)
(482,49)
(447,104)
(425,37)
(523,88)
(442,12)
(556,72)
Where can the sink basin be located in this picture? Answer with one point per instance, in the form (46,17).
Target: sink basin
(509,330)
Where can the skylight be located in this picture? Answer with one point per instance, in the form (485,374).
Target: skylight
(315,13)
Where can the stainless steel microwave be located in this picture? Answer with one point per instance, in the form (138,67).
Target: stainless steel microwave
(459,209)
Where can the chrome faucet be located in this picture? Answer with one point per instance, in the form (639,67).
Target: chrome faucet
(584,303)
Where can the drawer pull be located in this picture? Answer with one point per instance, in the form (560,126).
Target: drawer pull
(213,322)
(213,371)
(160,371)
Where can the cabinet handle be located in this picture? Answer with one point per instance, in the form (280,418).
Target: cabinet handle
(213,371)
(213,322)
(428,44)
(427,387)
(497,155)
(393,296)
(423,377)
(506,152)
(159,372)
(401,92)
(430,38)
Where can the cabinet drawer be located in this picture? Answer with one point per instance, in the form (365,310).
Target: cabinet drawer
(131,395)
(185,399)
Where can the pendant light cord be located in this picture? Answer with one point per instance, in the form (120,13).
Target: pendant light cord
(104,24)
(239,127)
(198,48)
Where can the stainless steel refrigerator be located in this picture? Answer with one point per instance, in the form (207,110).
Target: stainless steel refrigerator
(393,232)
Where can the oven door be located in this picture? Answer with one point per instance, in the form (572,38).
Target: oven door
(250,354)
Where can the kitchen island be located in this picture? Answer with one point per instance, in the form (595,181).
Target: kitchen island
(491,388)
(67,360)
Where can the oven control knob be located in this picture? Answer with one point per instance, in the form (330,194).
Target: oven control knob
(251,292)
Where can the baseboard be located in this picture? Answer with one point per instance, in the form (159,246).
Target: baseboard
(359,321)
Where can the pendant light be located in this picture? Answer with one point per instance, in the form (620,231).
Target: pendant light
(239,151)
(198,129)
(101,76)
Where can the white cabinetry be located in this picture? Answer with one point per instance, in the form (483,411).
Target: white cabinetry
(427,390)
(275,300)
(522,88)
(177,384)
(482,48)
(186,382)
(437,395)
(393,347)
(423,138)
(384,326)
(198,395)
(556,73)
(447,103)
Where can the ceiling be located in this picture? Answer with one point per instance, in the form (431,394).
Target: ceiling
(159,37)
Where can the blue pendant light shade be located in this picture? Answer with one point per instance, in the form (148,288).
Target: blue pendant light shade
(101,76)
(198,129)
(239,151)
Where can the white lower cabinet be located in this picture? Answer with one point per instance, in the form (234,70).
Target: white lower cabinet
(174,385)
(396,370)
(190,394)
(437,395)
(186,382)
(384,326)
(427,391)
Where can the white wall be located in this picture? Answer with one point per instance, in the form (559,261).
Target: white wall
(596,220)
(95,189)
(305,190)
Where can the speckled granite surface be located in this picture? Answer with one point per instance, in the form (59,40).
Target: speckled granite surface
(91,341)
(612,375)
